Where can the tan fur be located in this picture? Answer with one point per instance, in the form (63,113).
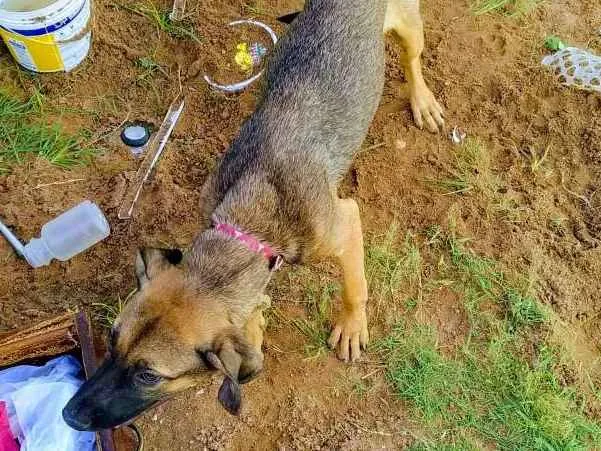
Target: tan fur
(403,20)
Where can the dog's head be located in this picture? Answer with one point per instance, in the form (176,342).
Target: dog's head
(167,337)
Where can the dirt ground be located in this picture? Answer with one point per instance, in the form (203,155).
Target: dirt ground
(486,72)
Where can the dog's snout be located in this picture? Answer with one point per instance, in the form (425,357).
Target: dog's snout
(75,419)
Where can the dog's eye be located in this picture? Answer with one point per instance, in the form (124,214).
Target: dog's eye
(148,378)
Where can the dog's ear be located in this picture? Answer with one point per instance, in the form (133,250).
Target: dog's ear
(151,261)
(240,363)
(288,18)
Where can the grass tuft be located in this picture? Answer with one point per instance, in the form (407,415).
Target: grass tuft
(472,173)
(161,20)
(255,7)
(387,265)
(507,7)
(316,327)
(106,313)
(472,170)
(148,68)
(24,133)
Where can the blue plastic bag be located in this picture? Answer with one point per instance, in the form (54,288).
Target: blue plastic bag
(35,397)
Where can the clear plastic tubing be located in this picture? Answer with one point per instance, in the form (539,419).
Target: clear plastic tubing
(72,232)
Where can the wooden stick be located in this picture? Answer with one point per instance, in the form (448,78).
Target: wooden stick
(46,339)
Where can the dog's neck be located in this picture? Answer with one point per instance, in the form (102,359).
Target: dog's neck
(224,268)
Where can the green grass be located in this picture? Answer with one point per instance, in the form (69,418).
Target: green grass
(316,327)
(24,133)
(500,389)
(255,7)
(507,7)
(160,19)
(471,172)
(148,68)
(484,286)
(387,266)
(105,313)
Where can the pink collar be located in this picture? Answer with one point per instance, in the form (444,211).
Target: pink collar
(275,260)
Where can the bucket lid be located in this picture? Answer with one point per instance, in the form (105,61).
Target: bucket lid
(49,12)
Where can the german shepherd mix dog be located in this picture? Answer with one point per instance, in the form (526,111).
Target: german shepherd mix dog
(272,199)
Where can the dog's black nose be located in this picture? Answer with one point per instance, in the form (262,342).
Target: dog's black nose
(76,421)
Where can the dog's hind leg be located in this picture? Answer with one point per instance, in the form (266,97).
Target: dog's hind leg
(345,242)
(404,20)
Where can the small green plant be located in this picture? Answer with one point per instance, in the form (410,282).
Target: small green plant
(472,171)
(537,159)
(554,43)
(255,7)
(316,326)
(149,68)
(559,225)
(160,19)
(507,7)
(23,133)
(106,313)
(473,174)
(387,265)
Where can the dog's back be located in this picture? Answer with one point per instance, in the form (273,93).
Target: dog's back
(322,88)
(325,80)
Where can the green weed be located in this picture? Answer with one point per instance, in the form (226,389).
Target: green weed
(483,286)
(149,68)
(473,170)
(23,133)
(488,394)
(255,7)
(507,7)
(387,265)
(160,19)
(106,313)
(316,326)
(473,174)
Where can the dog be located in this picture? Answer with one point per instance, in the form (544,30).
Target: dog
(272,199)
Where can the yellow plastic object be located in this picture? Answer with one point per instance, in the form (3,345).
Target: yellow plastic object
(243,57)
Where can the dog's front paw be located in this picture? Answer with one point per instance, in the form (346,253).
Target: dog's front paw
(426,109)
(349,335)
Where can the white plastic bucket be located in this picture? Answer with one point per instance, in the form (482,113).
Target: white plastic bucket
(46,35)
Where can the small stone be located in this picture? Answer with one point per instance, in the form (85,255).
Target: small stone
(155,417)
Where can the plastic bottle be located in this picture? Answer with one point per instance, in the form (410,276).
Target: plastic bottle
(72,232)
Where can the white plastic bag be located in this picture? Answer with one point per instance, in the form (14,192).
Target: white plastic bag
(35,397)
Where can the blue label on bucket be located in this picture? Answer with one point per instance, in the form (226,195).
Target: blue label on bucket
(48,29)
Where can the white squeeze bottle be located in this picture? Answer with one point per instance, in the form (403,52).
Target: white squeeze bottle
(72,232)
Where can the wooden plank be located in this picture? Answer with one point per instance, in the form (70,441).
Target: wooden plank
(46,339)
(104,438)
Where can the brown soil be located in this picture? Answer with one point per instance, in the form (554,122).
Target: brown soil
(486,72)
